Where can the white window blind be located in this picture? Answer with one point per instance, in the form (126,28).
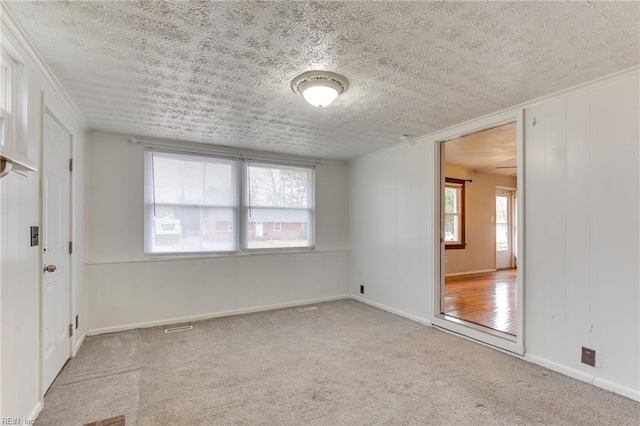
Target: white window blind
(279,206)
(191,203)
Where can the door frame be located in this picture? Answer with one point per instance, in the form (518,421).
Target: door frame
(45,109)
(473,331)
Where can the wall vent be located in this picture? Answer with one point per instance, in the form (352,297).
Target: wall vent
(308,308)
(178,329)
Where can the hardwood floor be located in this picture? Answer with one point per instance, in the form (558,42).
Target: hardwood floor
(488,299)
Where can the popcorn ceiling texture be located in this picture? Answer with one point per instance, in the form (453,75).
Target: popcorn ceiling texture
(219,72)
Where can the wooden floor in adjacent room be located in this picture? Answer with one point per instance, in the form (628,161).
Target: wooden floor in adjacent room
(488,299)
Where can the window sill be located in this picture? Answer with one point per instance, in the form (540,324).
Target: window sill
(245,253)
(455,246)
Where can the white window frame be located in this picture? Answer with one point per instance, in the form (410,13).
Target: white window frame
(242,207)
(459,186)
(149,205)
(277,228)
(245,208)
(8,108)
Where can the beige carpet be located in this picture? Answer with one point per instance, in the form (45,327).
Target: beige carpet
(343,364)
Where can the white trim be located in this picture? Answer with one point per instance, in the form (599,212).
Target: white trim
(585,377)
(36,411)
(79,343)
(19,34)
(476,333)
(391,310)
(253,252)
(480,336)
(191,318)
(482,271)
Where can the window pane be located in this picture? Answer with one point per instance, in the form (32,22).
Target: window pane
(451,228)
(451,200)
(193,229)
(279,210)
(277,228)
(502,223)
(195,180)
(278,186)
(192,203)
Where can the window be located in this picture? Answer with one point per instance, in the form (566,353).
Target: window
(7,97)
(282,195)
(454,213)
(192,203)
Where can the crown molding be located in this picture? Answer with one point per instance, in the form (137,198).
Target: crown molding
(10,23)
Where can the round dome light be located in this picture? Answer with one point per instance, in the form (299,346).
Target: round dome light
(319,88)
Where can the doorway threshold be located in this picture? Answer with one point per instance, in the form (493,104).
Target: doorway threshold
(488,336)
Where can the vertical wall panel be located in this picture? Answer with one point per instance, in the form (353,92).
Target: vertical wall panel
(535,225)
(555,207)
(614,207)
(578,224)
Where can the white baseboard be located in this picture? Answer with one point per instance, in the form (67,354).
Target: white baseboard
(191,318)
(36,410)
(482,271)
(585,377)
(391,310)
(79,343)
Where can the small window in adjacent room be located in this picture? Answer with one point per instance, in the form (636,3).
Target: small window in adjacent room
(454,213)
(281,195)
(191,203)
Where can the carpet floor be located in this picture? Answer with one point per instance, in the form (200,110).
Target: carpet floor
(344,364)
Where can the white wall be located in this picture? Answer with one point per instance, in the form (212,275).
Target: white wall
(21,267)
(582,273)
(582,242)
(126,290)
(391,204)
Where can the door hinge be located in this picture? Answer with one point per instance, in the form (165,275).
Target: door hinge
(70,164)
(70,330)
(70,247)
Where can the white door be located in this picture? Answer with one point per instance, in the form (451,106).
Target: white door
(504,229)
(259,229)
(55,246)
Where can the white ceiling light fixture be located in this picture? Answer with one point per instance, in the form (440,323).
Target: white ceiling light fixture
(319,88)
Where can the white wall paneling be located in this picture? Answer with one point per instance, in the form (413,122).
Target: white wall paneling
(126,290)
(582,234)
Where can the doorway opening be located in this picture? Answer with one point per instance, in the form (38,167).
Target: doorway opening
(479,192)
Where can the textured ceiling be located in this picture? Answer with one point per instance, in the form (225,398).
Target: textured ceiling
(219,72)
(490,151)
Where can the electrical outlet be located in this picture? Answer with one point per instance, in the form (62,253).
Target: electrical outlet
(588,356)
(361,289)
